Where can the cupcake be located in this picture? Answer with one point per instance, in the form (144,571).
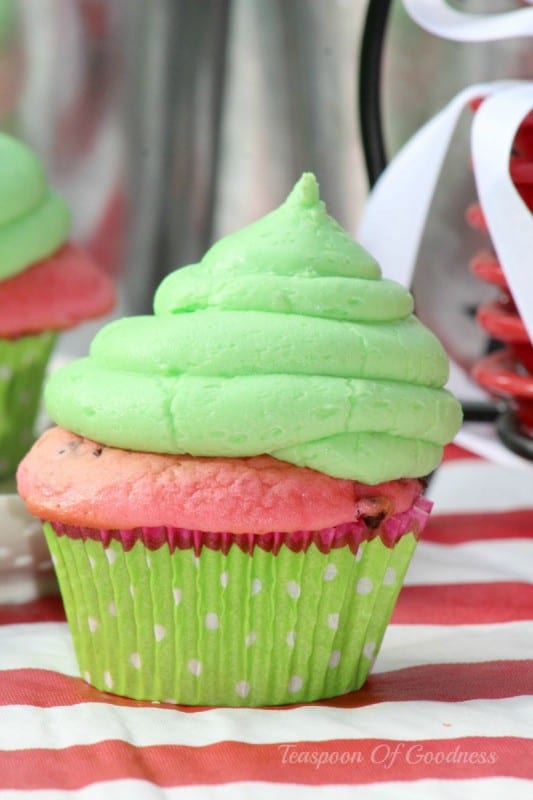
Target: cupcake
(234,489)
(46,285)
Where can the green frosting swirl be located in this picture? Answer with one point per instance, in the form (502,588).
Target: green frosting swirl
(285,340)
(34,221)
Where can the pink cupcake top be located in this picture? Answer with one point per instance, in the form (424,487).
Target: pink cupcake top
(68,479)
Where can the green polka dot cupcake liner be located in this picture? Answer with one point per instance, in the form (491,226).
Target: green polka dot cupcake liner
(227,627)
(23,363)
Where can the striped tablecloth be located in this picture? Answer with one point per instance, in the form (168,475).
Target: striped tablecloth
(447,712)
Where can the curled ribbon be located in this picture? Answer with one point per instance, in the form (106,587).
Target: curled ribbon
(437,17)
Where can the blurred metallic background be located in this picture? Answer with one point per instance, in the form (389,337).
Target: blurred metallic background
(168,123)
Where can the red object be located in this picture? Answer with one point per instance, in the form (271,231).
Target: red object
(486,267)
(508,373)
(501,375)
(502,321)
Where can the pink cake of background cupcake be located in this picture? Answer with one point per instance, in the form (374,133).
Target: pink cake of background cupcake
(54,294)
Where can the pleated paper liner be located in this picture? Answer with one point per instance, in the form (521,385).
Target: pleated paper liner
(23,363)
(230,626)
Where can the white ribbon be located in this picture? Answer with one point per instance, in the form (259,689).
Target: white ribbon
(437,17)
(395,215)
(509,220)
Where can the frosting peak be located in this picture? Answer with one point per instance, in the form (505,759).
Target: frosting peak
(283,340)
(297,239)
(306,191)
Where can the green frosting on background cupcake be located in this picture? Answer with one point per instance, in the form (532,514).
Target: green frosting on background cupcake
(34,222)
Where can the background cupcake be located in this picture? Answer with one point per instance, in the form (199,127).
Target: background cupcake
(234,493)
(46,285)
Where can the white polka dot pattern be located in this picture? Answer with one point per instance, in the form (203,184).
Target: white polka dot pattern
(159,632)
(333,621)
(364,586)
(291,638)
(295,684)
(334,659)
(242,688)
(195,667)
(211,621)
(389,578)
(135,660)
(294,590)
(369,649)
(298,612)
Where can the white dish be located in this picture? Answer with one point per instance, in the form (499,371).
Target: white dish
(26,571)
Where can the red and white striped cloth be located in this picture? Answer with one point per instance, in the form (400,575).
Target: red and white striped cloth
(447,712)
